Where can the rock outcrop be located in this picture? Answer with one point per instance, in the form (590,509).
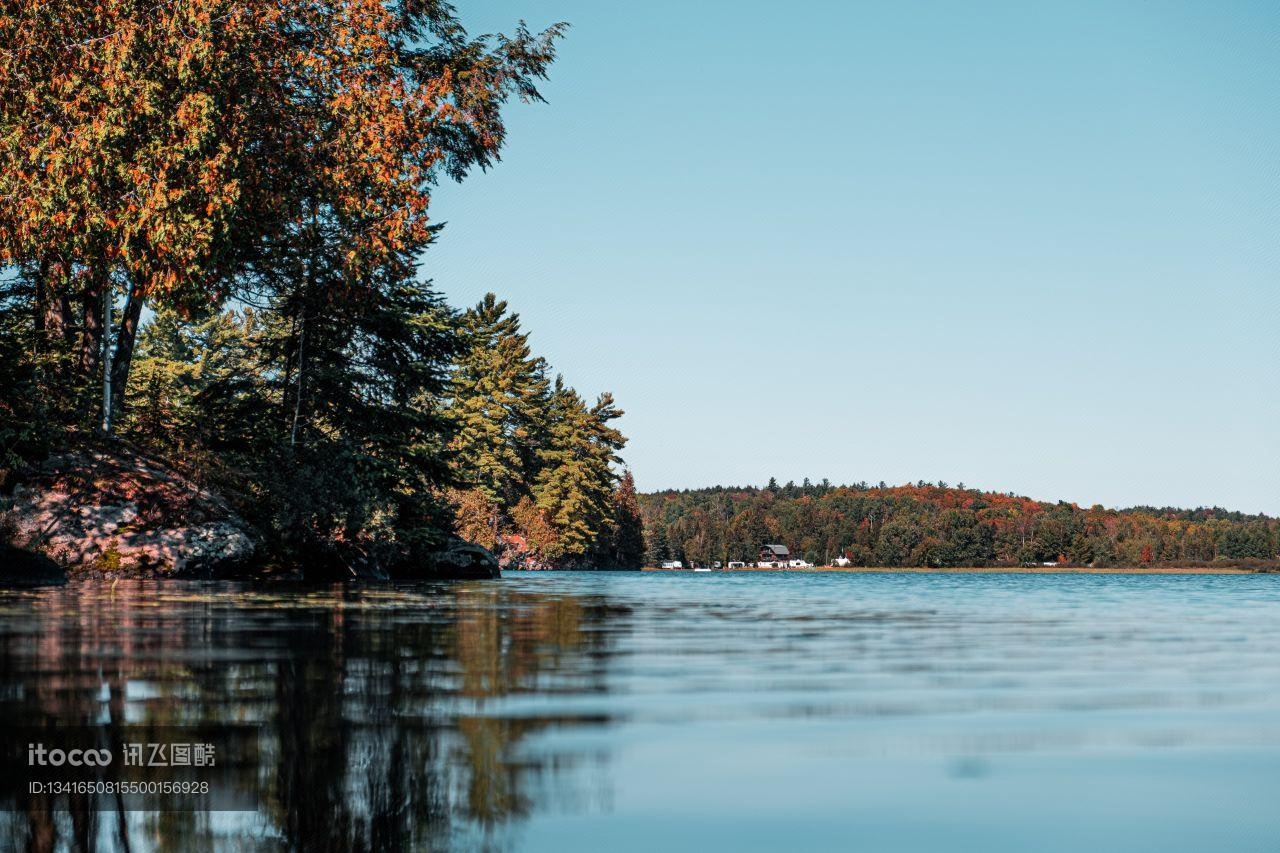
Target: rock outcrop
(120,513)
(457,560)
(20,568)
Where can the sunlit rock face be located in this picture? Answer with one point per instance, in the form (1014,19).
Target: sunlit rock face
(119,513)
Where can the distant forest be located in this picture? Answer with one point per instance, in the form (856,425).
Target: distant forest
(936,525)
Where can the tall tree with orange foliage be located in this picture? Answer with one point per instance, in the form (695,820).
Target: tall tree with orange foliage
(177,152)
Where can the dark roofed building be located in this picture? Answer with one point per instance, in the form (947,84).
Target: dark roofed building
(774,553)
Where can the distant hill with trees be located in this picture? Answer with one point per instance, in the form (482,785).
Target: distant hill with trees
(936,525)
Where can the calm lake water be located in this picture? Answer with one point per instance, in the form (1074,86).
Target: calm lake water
(677,711)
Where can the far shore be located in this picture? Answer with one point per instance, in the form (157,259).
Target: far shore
(1012,570)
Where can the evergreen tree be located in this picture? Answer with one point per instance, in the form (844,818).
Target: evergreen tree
(656,550)
(628,551)
(197,388)
(331,440)
(360,433)
(499,400)
(528,455)
(574,486)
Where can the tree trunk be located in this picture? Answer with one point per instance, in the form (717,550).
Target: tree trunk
(41,304)
(126,338)
(53,307)
(302,366)
(91,306)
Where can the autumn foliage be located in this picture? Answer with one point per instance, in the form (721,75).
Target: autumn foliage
(259,174)
(163,150)
(938,526)
(150,136)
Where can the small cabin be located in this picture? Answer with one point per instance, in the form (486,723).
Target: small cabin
(774,554)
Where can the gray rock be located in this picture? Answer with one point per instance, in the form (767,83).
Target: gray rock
(118,513)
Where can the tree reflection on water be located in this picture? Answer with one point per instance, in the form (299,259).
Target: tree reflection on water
(386,714)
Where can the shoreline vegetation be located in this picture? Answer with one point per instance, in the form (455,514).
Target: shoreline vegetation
(994,570)
(214,312)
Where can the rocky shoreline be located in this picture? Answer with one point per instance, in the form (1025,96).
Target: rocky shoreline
(117,513)
(122,514)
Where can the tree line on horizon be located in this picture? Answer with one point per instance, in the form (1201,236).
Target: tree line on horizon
(212,220)
(937,526)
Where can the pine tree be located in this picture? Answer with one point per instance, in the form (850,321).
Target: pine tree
(499,402)
(628,527)
(197,388)
(656,550)
(575,483)
(360,433)
(528,455)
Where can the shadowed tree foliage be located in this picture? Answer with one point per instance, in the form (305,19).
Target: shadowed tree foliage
(196,391)
(627,547)
(336,450)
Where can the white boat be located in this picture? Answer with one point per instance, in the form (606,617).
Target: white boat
(702,570)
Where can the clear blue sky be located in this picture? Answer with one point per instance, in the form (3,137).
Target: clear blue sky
(1027,246)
